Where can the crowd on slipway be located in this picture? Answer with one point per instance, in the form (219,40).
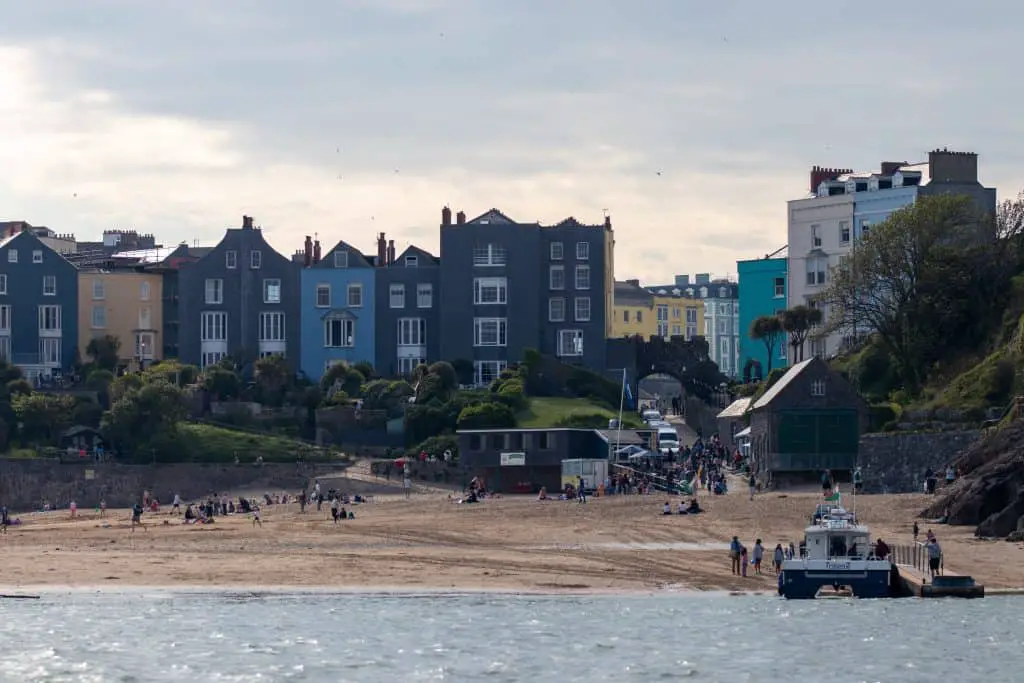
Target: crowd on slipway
(704,466)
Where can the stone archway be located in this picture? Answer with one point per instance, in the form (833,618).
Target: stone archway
(688,362)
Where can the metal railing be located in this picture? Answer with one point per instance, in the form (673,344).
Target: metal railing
(914,555)
(658,482)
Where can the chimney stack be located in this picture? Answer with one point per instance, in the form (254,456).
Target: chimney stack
(890,167)
(391,252)
(316,251)
(820,175)
(382,251)
(247,222)
(607,222)
(307,251)
(635,283)
(446,217)
(460,218)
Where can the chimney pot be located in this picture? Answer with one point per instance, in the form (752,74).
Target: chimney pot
(460,218)
(247,222)
(316,251)
(307,251)
(446,216)
(391,252)
(608,222)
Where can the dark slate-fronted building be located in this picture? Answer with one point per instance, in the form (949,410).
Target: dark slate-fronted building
(524,460)
(408,299)
(38,307)
(241,300)
(510,286)
(810,420)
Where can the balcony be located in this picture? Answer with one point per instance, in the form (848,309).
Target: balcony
(50,333)
(30,358)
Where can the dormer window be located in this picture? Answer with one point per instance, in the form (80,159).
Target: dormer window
(897,179)
(341,259)
(873,185)
(412,261)
(723,293)
(703,292)
(689,292)
(851,187)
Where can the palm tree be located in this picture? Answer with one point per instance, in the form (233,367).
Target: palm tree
(797,322)
(768,330)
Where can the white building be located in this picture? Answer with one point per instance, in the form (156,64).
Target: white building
(843,205)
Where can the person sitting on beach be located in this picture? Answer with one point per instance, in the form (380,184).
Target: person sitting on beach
(190,514)
(694,507)
(342,515)
(667,510)
(543,495)
(682,508)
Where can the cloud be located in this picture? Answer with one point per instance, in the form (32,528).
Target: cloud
(178,119)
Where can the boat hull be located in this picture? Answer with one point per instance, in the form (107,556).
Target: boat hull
(803,583)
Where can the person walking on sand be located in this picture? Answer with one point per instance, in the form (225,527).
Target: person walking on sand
(917,531)
(581,494)
(256,517)
(734,554)
(743,560)
(778,558)
(753,486)
(176,505)
(5,519)
(74,509)
(407,486)
(758,556)
(137,518)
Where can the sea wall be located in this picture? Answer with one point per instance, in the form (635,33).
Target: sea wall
(25,484)
(895,462)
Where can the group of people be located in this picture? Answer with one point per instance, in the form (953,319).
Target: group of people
(691,508)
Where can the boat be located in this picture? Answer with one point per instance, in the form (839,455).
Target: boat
(837,553)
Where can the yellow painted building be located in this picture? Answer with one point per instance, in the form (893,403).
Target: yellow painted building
(678,316)
(632,311)
(123,304)
(639,312)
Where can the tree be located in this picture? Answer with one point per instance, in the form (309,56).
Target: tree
(343,377)
(222,382)
(142,424)
(273,379)
(768,330)
(43,416)
(798,322)
(928,282)
(105,352)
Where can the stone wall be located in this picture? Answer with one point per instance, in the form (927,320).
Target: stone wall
(24,484)
(895,462)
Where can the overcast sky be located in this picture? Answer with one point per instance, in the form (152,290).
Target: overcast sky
(691,122)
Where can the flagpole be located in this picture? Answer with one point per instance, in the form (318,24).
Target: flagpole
(618,424)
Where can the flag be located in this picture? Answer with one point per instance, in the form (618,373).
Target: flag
(834,498)
(629,394)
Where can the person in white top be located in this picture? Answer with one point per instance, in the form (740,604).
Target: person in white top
(176,505)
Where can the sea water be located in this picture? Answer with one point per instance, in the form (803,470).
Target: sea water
(154,636)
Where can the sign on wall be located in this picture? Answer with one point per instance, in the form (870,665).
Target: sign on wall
(513,459)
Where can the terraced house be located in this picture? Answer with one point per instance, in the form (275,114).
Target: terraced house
(408,319)
(337,307)
(124,303)
(241,300)
(511,286)
(38,306)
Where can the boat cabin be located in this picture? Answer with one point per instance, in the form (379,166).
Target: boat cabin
(837,536)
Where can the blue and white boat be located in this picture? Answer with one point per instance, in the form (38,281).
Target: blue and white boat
(836,553)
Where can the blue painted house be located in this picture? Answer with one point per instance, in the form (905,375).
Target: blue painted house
(38,306)
(338,305)
(762,292)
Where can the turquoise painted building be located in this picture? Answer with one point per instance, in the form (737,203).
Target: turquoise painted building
(338,306)
(762,292)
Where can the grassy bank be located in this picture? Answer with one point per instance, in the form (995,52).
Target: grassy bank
(208,443)
(571,412)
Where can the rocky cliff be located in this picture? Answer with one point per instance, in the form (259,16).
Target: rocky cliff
(990,490)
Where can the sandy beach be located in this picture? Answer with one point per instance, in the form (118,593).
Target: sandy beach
(619,543)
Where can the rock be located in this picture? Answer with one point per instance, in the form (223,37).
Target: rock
(1016,536)
(990,490)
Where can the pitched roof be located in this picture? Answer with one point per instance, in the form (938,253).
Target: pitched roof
(492,216)
(736,408)
(783,382)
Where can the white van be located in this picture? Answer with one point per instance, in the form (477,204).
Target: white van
(668,440)
(651,415)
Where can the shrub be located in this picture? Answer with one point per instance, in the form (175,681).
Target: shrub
(583,421)
(881,414)
(436,446)
(486,416)
(512,394)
